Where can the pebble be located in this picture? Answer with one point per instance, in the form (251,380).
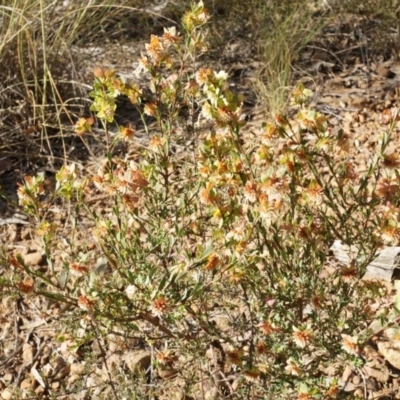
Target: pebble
(6,394)
(40,391)
(33,259)
(26,384)
(27,353)
(77,369)
(138,359)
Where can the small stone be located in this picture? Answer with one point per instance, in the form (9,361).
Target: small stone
(32,259)
(47,370)
(40,390)
(6,394)
(55,385)
(78,369)
(26,384)
(138,359)
(27,353)
(359,393)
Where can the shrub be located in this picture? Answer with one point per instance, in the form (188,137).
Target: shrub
(216,246)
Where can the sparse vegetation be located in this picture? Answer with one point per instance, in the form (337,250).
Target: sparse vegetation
(198,267)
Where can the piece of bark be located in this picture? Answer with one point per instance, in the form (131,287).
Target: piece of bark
(382,267)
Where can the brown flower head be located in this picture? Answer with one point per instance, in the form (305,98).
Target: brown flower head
(126,132)
(155,48)
(78,270)
(251,375)
(213,262)
(160,306)
(251,191)
(302,337)
(26,287)
(171,36)
(85,303)
(234,356)
(292,368)
(267,328)
(387,188)
(391,161)
(350,344)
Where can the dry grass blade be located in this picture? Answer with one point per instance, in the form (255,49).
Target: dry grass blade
(43,88)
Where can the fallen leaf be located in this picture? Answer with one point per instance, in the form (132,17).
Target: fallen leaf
(376,370)
(38,377)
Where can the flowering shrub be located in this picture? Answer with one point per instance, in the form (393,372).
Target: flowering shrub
(218,253)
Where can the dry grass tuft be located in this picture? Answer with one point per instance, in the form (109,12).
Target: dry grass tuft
(42,89)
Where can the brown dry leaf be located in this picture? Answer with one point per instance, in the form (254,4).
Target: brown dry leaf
(63,372)
(347,373)
(348,386)
(384,394)
(346,380)
(370,353)
(377,370)
(331,369)
(26,384)
(167,373)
